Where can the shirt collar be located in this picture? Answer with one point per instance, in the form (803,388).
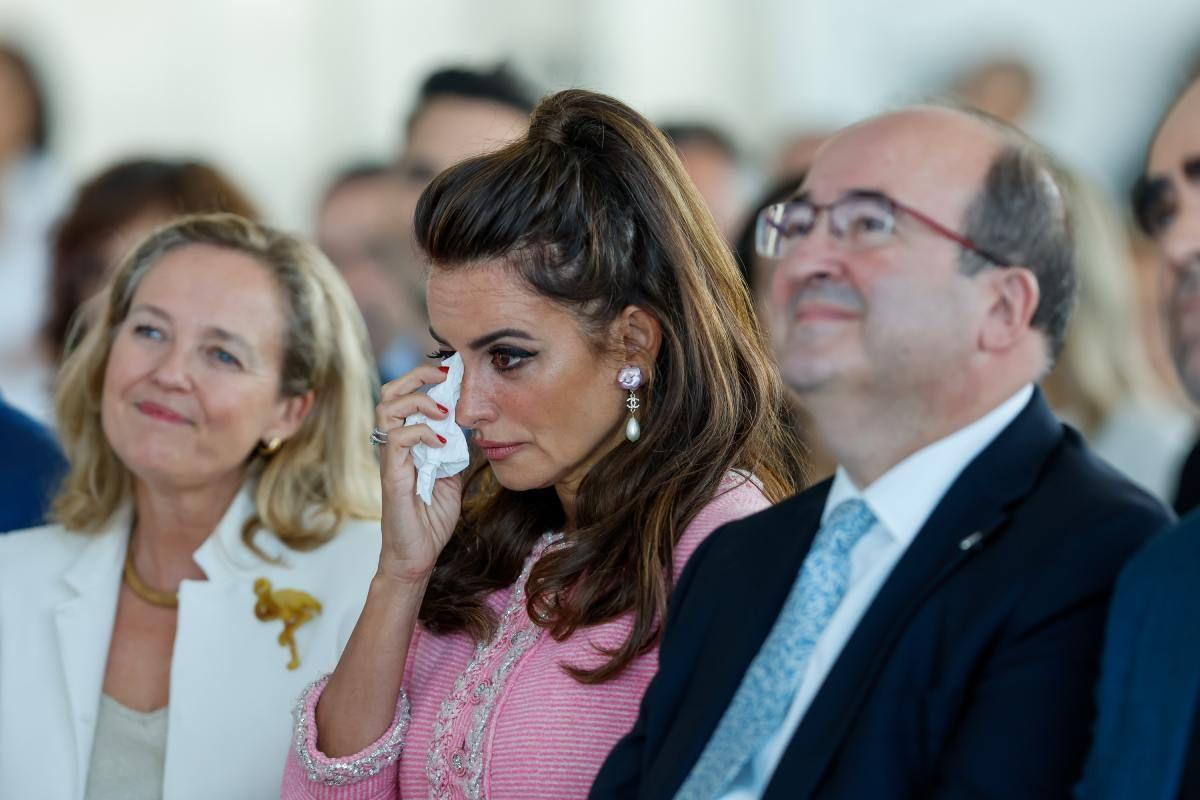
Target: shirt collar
(903,498)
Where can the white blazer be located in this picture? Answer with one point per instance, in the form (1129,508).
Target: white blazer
(229,719)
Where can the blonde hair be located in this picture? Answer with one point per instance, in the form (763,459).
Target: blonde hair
(1104,362)
(325,473)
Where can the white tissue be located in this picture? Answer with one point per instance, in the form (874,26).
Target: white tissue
(452,457)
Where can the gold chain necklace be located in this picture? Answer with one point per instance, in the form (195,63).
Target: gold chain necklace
(142,590)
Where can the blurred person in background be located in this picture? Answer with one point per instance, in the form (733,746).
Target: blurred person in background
(1147,737)
(215,533)
(1103,383)
(110,214)
(712,162)
(513,624)
(1003,86)
(1144,261)
(1187,484)
(458,113)
(758,271)
(360,228)
(33,192)
(31,465)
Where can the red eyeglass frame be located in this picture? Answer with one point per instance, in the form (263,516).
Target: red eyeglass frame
(896,205)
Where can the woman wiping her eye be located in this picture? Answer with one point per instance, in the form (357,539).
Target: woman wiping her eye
(623,405)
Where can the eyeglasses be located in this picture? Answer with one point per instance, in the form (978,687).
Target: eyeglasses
(863,220)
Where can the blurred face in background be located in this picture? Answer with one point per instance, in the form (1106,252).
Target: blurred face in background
(447,130)
(126,236)
(17,112)
(715,174)
(1003,88)
(111,251)
(361,230)
(1167,205)
(192,383)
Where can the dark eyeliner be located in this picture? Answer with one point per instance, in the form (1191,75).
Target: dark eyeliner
(510,352)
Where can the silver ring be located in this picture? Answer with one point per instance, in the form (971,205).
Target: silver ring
(378,436)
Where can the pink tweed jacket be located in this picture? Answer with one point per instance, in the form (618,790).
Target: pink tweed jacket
(499,719)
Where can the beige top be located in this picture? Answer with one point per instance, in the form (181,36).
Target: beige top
(128,754)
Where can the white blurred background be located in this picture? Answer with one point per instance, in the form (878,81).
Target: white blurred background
(280,93)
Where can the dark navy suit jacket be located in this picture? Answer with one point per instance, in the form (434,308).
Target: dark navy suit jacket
(1150,682)
(30,468)
(971,675)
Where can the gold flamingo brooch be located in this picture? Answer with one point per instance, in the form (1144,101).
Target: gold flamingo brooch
(292,606)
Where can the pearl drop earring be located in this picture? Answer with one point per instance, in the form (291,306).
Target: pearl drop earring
(630,378)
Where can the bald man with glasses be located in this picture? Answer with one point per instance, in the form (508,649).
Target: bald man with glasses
(928,623)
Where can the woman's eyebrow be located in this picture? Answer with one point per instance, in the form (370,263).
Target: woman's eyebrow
(228,336)
(151,309)
(486,339)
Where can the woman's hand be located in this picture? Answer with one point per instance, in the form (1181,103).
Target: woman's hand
(360,699)
(413,533)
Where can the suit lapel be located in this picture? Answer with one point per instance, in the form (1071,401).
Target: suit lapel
(762,569)
(1156,693)
(227,664)
(767,573)
(973,511)
(84,620)
(83,623)
(1165,715)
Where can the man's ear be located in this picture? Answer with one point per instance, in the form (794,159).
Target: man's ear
(290,415)
(1012,300)
(638,336)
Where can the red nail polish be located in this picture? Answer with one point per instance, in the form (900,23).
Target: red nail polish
(441,438)
(442,408)
(444,369)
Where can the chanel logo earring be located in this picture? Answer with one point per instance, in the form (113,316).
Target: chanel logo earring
(629,379)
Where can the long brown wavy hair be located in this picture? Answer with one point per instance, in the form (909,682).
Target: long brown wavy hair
(594,211)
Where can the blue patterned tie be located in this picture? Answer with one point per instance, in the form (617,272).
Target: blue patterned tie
(762,700)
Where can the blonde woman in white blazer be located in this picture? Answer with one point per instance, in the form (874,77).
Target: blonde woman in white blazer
(216,533)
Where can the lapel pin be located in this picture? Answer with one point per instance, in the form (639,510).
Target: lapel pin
(970,541)
(291,606)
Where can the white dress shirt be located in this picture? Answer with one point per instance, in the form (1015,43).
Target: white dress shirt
(902,500)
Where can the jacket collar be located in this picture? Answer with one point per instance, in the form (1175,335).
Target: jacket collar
(224,554)
(84,619)
(83,623)
(103,554)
